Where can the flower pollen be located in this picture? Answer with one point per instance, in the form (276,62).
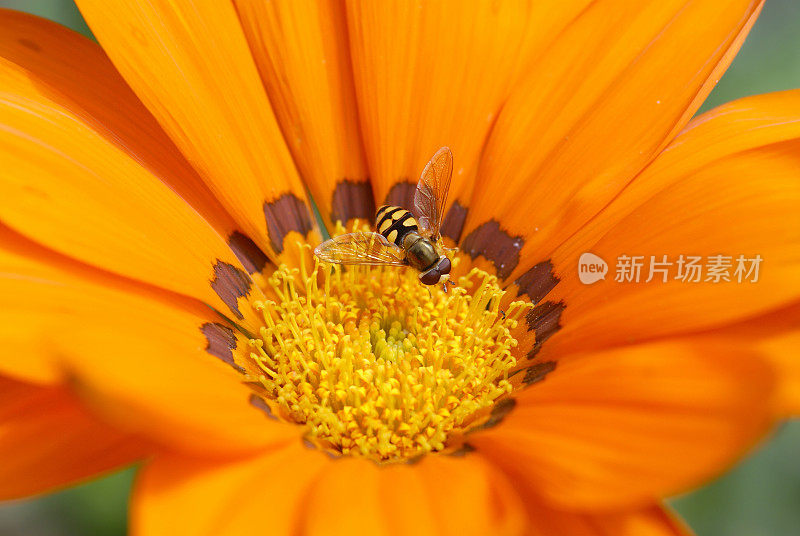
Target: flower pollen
(376,364)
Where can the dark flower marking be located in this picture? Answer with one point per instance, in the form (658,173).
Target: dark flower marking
(538,281)
(27,43)
(334,454)
(463,450)
(453,222)
(286,214)
(496,245)
(536,373)
(249,254)
(402,195)
(230,283)
(221,342)
(544,320)
(498,413)
(414,460)
(258,403)
(352,199)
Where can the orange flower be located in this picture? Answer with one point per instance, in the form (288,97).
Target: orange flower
(159,297)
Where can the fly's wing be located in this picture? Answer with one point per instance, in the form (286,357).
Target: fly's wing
(360,248)
(431,195)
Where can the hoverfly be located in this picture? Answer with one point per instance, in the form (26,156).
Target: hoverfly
(402,240)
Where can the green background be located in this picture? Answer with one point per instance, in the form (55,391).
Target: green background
(759,497)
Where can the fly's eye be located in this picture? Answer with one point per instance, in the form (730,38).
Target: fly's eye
(444,266)
(431,277)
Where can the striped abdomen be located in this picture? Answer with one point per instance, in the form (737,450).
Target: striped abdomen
(394,223)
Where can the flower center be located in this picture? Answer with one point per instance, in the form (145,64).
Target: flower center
(376,364)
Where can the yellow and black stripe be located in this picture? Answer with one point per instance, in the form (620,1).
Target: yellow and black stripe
(394,223)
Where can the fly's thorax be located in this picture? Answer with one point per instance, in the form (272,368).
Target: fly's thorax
(420,252)
(394,223)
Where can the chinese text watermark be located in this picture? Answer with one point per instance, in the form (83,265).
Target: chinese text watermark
(663,268)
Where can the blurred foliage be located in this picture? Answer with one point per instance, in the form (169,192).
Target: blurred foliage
(769,59)
(62,11)
(760,497)
(98,508)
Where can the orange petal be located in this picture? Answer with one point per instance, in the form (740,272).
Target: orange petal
(614,88)
(784,353)
(190,64)
(467,495)
(648,521)
(345,500)
(69,185)
(42,290)
(75,73)
(47,441)
(297,490)
(180,495)
(776,337)
(782,350)
(148,361)
(439,495)
(729,185)
(301,50)
(624,427)
(149,371)
(433,73)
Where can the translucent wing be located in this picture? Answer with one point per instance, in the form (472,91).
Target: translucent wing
(431,194)
(361,248)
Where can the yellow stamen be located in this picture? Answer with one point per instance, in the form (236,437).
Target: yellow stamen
(376,364)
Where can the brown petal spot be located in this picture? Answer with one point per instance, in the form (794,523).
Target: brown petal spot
(351,200)
(544,321)
(499,412)
(249,254)
(496,245)
(258,403)
(536,373)
(230,283)
(453,222)
(221,342)
(27,43)
(286,214)
(333,455)
(402,194)
(538,281)
(463,450)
